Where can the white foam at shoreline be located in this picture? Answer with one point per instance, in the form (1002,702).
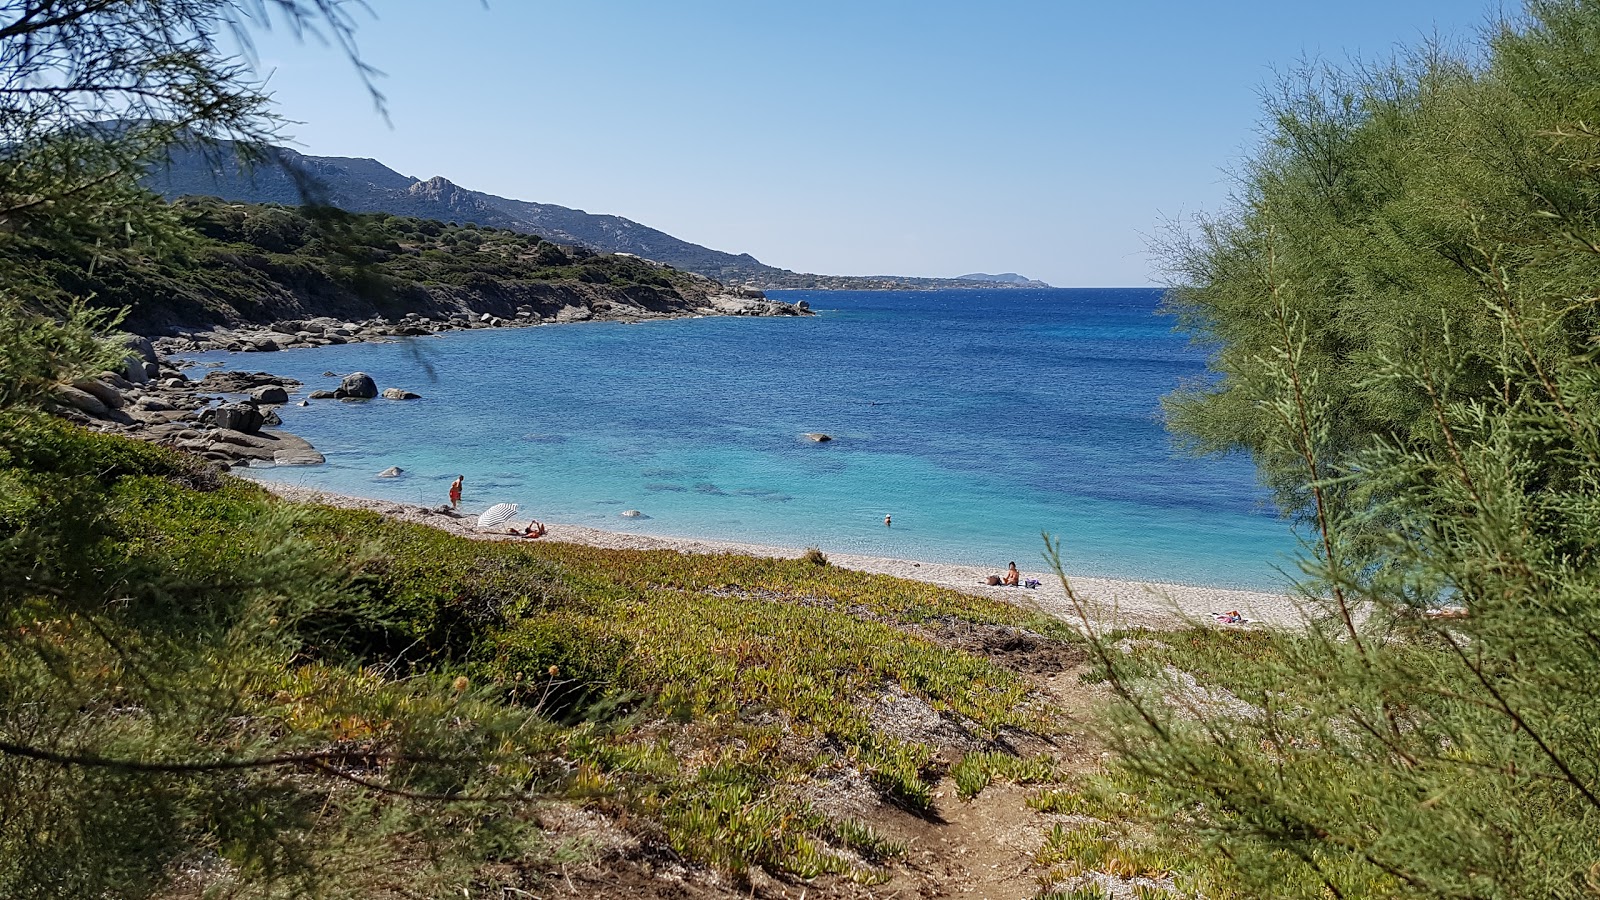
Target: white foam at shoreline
(1114,602)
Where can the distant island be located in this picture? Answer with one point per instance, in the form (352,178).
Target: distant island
(1008,279)
(368,186)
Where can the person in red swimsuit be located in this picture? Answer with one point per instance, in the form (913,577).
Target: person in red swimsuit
(455,491)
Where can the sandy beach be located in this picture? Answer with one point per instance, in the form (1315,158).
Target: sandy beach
(1114,603)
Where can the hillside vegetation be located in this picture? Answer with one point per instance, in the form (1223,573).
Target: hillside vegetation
(239,263)
(228,694)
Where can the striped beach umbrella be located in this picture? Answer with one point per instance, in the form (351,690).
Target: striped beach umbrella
(498,514)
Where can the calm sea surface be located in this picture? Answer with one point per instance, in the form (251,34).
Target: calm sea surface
(978,419)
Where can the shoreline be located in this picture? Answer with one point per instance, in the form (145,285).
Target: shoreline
(152,398)
(1115,603)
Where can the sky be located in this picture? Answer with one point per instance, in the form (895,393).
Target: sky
(852,137)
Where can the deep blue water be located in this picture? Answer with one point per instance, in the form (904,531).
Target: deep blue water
(978,419)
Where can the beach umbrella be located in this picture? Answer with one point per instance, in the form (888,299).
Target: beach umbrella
(498,514)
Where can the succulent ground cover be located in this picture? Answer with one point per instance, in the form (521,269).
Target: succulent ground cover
(447,711)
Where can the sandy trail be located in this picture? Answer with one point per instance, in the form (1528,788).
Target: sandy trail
(1113,602)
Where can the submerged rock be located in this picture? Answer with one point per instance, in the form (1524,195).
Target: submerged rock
(819,437)
(633,514)
(392,472)
(399,394)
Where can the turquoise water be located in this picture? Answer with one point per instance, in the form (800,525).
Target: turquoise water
(978,419)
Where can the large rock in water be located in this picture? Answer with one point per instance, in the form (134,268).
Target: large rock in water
(272,393)
(358,386)
(241,417)
(399,394)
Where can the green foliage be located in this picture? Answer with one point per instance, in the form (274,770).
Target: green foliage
(161,693)
(978,770)
(37,351)
(1404,311)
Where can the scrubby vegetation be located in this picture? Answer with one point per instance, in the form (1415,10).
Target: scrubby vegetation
(240,262)
(1401,307)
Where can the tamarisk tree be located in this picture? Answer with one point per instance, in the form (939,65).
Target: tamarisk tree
(1401,306)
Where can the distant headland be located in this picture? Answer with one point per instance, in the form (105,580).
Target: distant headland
(1004,279)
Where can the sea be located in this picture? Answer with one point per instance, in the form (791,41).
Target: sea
(987,423)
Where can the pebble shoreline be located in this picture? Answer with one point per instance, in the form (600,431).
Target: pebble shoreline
(1112,603)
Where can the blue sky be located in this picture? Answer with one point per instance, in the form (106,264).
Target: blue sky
(864,137)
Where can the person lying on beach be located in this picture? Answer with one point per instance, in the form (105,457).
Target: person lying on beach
(535,529)
(1013,577)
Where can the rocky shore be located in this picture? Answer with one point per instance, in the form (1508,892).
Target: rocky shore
(323,331)
(227,417)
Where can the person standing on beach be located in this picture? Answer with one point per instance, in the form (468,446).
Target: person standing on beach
(455,491)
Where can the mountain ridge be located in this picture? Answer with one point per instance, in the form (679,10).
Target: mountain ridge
(366,185)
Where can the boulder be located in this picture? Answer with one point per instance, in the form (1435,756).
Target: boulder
(399,394)
(271,393)
(137,370)
(358,386)
(242,417)
(140,347)
(270,417)
(818,436)
(101,391)
(240,382)
(261,345)
(81,400)
(322,395)
(392,472)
